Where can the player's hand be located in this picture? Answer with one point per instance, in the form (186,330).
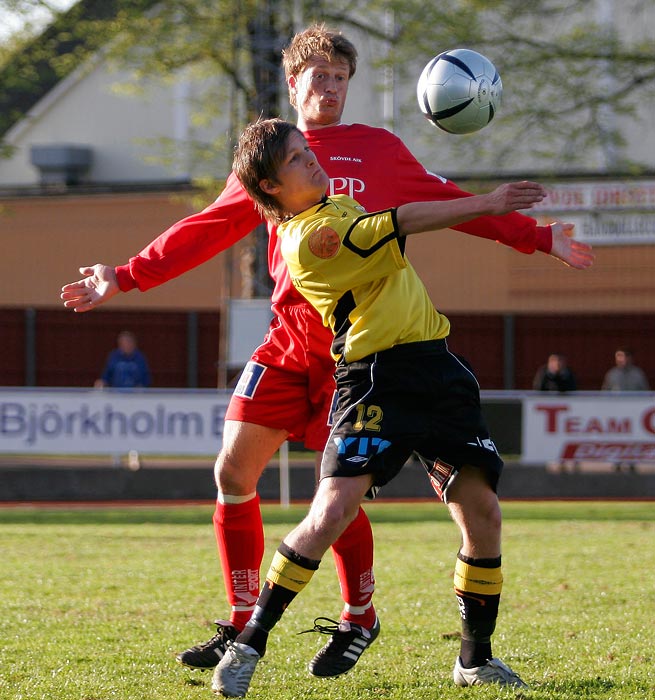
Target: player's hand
(515,195)
(98,286)
(565,248)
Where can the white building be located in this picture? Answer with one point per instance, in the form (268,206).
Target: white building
(125,126)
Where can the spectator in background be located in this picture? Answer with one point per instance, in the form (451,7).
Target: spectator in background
(555,375)
(625,376)
(126,366)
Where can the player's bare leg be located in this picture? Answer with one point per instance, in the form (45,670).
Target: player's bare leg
(474,507)
(247,449)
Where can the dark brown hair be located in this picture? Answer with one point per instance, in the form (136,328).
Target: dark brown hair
(258,155)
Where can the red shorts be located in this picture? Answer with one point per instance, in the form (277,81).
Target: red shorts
(289,382)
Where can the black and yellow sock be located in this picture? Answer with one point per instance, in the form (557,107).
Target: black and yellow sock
(478,583)
(289,573)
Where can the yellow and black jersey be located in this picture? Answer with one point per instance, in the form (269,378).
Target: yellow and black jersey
(351,267)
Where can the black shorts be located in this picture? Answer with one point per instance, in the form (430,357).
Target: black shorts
(413,398)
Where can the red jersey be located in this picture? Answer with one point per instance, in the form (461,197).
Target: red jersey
(370,164)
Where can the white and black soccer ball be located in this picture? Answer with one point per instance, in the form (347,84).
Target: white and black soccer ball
(459,91)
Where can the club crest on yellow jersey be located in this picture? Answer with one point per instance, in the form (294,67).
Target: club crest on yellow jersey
(324,243)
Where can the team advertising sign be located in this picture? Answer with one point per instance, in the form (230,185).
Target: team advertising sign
(602,427)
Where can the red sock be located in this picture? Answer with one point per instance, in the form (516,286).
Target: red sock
(240,538)
(353,556)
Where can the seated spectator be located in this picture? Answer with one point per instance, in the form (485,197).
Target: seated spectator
(555,375)
(126,366)
(625,376)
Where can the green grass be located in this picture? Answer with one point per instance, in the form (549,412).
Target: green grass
(95,601)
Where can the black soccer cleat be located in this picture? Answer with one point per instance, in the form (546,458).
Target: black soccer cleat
(207,655)
(347,643)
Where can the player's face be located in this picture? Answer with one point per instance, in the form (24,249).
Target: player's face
(300,181)
(320,91)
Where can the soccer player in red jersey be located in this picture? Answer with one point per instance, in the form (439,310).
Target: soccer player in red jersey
(286,390)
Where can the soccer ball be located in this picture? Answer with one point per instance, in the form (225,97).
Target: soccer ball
(459,91)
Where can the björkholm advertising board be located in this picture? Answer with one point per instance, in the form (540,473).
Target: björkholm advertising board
(98,422)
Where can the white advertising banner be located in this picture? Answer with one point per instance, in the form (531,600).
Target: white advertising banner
(602,427)
(604,212)
(100,422)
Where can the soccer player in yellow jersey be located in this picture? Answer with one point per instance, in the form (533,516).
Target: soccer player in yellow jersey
(400,390)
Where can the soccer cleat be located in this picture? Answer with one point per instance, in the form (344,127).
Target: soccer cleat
(346,645)
(208,654)
(234,671)
(494,671)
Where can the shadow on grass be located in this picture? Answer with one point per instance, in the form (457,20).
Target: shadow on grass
(380,512)
(592,689)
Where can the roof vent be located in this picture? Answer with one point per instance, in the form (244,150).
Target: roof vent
(61,164)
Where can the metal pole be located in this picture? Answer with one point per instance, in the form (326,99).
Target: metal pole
(509,354)
(30,347)
(284,475)
(192,350)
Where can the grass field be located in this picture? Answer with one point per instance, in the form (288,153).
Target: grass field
(95,601)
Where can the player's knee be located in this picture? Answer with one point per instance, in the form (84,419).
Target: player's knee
(492,515)
(333,517)
(233,477)
(483,508)
(479,518)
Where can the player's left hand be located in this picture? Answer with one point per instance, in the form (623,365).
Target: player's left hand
(567,249)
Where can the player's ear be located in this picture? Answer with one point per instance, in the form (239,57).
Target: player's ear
(292,84)
(268,186)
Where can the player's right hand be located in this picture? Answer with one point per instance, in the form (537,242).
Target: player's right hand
(515,195)
(98,286)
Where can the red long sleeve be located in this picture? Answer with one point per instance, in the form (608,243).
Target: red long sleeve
(369,164)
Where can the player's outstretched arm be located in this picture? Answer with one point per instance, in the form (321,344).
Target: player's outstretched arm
(98,286)
(565,248)
(418,217)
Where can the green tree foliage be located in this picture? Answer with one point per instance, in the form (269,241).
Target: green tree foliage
(33,62)
(573,72)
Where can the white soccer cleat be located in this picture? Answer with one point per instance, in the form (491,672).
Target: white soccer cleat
(233,674)
(494,671)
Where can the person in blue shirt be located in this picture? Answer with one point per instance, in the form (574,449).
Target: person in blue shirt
(126,366)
